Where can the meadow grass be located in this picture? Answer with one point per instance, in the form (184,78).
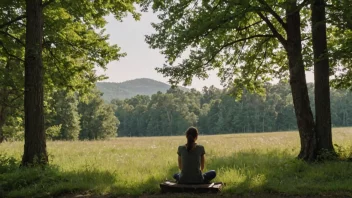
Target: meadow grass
(247,163)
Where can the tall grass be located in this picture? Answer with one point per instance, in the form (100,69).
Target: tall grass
(247,163)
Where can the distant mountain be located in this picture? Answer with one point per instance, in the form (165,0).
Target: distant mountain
(128,89)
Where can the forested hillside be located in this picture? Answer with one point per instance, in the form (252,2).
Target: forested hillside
(214,111)
(131,88)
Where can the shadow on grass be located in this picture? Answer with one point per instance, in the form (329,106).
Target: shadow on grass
(149,185)
(279,172)
(49,181)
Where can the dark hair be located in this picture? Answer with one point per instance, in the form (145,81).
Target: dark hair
(191,134)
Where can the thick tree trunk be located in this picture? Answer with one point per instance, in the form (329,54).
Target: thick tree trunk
(321,78)
(35,145)
(298,84)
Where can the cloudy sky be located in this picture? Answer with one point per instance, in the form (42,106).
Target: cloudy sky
(141,60)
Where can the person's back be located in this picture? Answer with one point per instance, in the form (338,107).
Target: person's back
(191,162)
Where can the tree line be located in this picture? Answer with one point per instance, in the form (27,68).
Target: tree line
(216,111)
(69,116)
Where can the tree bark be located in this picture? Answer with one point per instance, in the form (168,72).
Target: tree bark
(321,78)
(304,116)
(4,101)
(2,123)
(35,144)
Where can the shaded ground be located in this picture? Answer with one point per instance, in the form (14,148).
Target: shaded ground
(182,195)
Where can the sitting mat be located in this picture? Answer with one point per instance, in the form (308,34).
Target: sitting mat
(169,186)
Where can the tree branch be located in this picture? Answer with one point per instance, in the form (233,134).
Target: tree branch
(237,29)
(57,67)
(12,21)
(239,54)
(9,54)
(272,12)
(47,3)
(246,27)
(22,16)
(263,59)
(16,97)
(273,30)
(10,103)
(247,38)
(13,37)
(301,5)
(237,41)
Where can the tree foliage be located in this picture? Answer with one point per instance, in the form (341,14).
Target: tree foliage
(74,43)
(230,36)
(64,113)
(340,42)
(97,118)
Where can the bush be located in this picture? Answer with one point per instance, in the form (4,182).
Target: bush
(53,132)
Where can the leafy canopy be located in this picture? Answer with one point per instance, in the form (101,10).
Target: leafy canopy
(74,38)
(245,40)
(230,36)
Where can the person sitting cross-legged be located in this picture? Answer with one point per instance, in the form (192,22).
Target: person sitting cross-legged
(191,161)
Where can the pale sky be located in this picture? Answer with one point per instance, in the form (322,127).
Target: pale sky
(141,60)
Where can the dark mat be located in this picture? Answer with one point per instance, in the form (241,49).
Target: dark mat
(172,187)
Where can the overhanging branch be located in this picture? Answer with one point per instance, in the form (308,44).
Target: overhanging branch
(13,37)
(9,54)
(22,16)
(12,21)
(256,73)
(10,103)
(273,29)
(247,38)
(56,60)
(237,41)
(272,12)
(237,29)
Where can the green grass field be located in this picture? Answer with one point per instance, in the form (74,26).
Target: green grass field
(247,163)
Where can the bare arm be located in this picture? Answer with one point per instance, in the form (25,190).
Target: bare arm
(179,162)
(202,161)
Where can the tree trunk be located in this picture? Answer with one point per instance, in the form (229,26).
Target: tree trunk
(35,144)
(4,101)
(2,123)
(321,78)
(304,116)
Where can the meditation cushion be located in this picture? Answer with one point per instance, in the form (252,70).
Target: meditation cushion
(169,186)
